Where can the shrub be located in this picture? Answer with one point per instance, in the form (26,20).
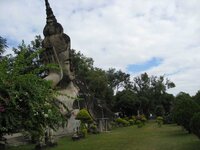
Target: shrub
(183,111)
(93,129)
(133,118)
(159,121)
(121,122)
(126,118)
(168,119)
(131,121)
(84,116)
(83,130)
(113,124)
(84,133)
(143,119)
(195,124)
(139,123)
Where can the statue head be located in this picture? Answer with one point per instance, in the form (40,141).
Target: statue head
(52,26)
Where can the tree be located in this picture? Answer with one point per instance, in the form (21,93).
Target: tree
(152,92)
(184,109)
(27,102)
(196,98)
(81,64)
(118,79)
(92,81)
(167,102)
(3,45)
(126,102)
(142,87)
(195,124)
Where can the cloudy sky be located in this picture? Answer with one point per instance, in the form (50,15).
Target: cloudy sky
(160,37)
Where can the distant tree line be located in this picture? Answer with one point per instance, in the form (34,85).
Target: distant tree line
(144,94)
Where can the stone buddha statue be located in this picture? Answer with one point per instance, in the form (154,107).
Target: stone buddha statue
(57,51)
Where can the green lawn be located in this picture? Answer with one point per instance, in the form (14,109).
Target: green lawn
(150,137)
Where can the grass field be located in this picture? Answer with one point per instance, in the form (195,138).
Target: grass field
(150,137)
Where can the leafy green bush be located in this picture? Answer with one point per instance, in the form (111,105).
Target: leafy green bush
(27,102)
(86,119)
(83,130)
(131,121)
(133,118)
(93,129)
(121,122)
(183,111)
(195,124)
(142,118)
(126,118)
(139,123)
(159,121)
(113,124)
(84,116)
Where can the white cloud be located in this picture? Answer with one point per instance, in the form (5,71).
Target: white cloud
(117,33)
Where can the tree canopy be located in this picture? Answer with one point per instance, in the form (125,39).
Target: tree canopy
(27,102)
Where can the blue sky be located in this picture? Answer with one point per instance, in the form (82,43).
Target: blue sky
(149,64)
(160,37)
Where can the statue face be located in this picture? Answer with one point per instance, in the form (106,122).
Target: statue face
(52,28)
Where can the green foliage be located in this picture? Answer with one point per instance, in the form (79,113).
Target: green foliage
(83,130)
(113,124)
(144,94)
(118,79)
(86,120)
(195,124)
(81,64)
(168,119)
(84,116)
(97,82)
(27,102)
(133,117)
(93,129)
(121,122)
(151,92)
(94,81)
(126,101)
(143,119)
(139,123)
(196,98)
(159,121)
(159,110)
(184,109)
(131,121)
(3,45)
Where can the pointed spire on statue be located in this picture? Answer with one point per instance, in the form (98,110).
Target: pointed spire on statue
(49,12)
(52,27)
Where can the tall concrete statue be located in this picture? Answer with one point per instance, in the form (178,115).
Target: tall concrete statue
(57,49)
